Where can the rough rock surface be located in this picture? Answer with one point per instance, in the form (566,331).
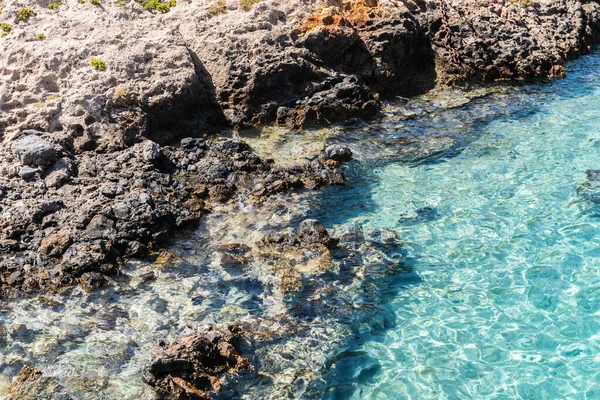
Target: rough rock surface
(81,186)
(312,290)
(196,363)
(508,40)
(124,203)
(311,278)
(31,384)
(205,64)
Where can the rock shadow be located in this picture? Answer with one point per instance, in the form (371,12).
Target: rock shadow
(194,112)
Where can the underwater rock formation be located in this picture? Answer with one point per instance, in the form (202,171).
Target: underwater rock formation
(196,363)
(31,384)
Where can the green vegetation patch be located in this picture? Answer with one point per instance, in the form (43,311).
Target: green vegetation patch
(157,5)
(95,2)
(218,8)
(522,3)
(247,4)
(24,14)
(41,36)
(54,6)
(98,64)
(6,28)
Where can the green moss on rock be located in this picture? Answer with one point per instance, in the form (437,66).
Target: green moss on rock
(24,14)
(247,4)
(98,64)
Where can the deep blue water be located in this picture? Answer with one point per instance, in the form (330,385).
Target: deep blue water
(507,254)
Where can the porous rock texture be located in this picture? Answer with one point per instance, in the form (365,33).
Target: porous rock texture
(89,169)
(97,161)
(195,363)
(31,384)
(206,64)
(313,279)
(75,219)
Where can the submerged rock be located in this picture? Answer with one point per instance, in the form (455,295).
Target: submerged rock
(234,254)
(31,384)
(194,364)
(590,188)
(338,152)
(310,231)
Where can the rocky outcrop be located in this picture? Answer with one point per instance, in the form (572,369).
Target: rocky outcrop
(311,284)
(87,187)
(298,62)
(105,207)
(197,363)
(506,40)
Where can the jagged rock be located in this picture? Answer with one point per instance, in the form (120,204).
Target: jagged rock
(100,227)
(123,205)
(310,231)
(59,173)
(234,253)
(54,245)
(150,151)
(91,281)
(32,150)
(28,172)
(347,99)
(194,364)
(82,257)
(338,152)
(300,62)
(250,66)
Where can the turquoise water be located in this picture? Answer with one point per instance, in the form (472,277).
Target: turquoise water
(508,254)
(493,291)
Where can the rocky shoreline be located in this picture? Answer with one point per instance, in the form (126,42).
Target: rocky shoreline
(105,161)
(73,219)
(217,64)
(80,156)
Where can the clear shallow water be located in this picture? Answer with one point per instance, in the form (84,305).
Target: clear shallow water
(494,293)
(508,255)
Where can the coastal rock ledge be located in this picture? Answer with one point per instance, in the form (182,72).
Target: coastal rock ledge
(188,67)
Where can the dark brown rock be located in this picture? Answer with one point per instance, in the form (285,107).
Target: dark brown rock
(234,253)
(55,245)
(91,281)
(310,231)
(338,152)
(193,364)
